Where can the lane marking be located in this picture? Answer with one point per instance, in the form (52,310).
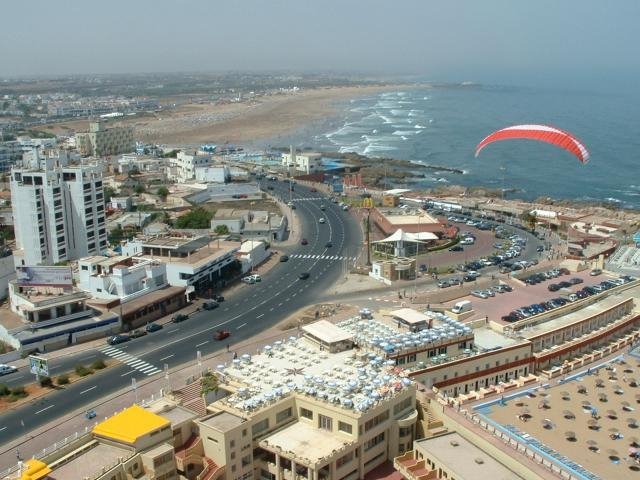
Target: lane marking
(128,373)
(168,356)
(240,326)
(261,315)
(44,409)
(88,389)
(203,343)
(3,428)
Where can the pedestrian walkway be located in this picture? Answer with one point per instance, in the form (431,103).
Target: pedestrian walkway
(130,360)
(322,257)
(313,199)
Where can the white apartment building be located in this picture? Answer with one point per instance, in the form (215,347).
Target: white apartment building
(58,211)
(120,277)
(217,174)
(308,162)
(10,154)
(185,166)
(101,141)
(197,263)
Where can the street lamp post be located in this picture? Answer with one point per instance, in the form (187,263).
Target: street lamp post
(368,237)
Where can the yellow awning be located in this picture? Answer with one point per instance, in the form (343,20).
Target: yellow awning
(130,424)
(35,470)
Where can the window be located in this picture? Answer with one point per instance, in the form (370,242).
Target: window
(344,460)
(403,405)
(404,431)
(232,444)
(324,422)
(306,413)
(84,267)
(246,460)
(345,427)
(369,444)
(57,203)
(87,198)
(244,432)
(233,455)
(377,420)
(283,415)
(260,426)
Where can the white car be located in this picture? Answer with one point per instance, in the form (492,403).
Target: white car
(479,294)
(248,280)
(322,220)
(7,369)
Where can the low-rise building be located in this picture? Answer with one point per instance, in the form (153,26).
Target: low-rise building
(120,277)
(252,253)
(213,174)
(7,271)
(120,203)
(305,163)
(250,223)
(409,220)
(197,263)
(185,166)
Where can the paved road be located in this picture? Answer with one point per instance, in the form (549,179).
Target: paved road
(249,311)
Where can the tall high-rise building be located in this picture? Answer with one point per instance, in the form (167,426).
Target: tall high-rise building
(58,210)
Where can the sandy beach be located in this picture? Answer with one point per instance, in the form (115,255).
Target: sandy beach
(250,121)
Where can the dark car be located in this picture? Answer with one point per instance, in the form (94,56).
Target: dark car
(89,414)
(218,298)
(284,258)
(138,333)
(304,241)
(540,248)
(153,327)
(564,284)
(210,305)
(328,245)
(423,267)
(179,317)
(313,190)
(270,187)
(576,281)
(456,248)
(117,339)
(303,275)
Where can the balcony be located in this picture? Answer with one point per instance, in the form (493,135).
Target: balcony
(412,468)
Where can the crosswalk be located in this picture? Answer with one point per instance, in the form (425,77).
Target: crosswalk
(130,360)
(311,199)
(322,257)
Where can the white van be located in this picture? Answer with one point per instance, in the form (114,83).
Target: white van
(461,307)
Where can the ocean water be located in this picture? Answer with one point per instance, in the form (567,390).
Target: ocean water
(442,125)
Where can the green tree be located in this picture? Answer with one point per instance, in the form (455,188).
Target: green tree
(221,230)
(108,193)
(116,235)
(139,189)
(530,219)
(196,218)
(208,383)
(163,192)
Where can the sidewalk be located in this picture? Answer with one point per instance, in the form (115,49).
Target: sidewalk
(34,442)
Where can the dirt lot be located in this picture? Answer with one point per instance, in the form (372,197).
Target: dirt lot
(266,204)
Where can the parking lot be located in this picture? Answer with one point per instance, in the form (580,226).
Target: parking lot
(494,308)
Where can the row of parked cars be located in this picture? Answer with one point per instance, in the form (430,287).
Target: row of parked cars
(539,277)
(534,309)
(491,292)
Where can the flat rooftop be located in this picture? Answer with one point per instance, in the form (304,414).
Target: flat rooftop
(487,338)
(90,462)
(223,421)
(298,365)
(174,413)
(574,317)
(406,216)
(307,442)
(327,332)
(463,459)
(201,256)
(410,316)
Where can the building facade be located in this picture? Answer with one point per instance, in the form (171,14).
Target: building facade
(101,141)
(184,166)
(59,212)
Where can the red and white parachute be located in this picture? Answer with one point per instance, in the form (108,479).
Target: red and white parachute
(542,133)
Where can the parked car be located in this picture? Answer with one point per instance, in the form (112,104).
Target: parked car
(456,248)
(444,284)
(479,294)
(152,327)
(117,339)
(595,272)
(138,332)
(179,317)
(7,369)
(248,280)
(576,281)
(217,298)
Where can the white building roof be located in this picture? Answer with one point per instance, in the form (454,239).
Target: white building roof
(327,332)
(410,316)
(250,245)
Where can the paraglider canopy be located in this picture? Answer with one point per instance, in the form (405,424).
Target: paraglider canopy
(542,133)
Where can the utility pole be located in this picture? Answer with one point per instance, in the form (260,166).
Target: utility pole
(368,237)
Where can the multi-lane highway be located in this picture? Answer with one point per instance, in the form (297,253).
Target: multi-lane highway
(248,311)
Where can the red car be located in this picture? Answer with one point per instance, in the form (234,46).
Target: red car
(304,241)
(221,334)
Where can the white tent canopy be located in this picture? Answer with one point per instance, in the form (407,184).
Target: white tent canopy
(402,236)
